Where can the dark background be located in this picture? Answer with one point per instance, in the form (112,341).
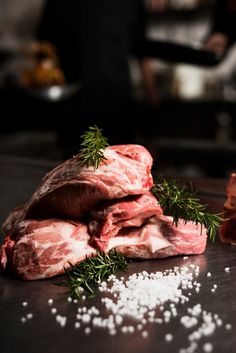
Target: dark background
(189,131)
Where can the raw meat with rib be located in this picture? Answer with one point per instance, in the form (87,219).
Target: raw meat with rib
(52,244)
(45,248)
(132,211)
(71,190)
(159,238)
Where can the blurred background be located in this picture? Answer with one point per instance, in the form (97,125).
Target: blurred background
(145,71)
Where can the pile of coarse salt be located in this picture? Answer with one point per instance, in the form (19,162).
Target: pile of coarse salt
(149,298)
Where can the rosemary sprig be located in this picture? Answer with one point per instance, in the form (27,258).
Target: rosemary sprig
(179,203)
(92,147)
(87,275)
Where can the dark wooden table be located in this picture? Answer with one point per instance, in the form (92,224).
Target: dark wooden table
(41,334)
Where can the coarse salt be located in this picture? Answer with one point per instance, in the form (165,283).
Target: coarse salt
(168,337)
(208,347)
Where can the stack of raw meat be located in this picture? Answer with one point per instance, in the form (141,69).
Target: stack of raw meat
(77,210)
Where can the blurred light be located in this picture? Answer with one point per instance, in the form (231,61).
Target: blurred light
(54,92)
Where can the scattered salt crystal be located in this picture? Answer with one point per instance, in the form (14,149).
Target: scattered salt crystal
(227,269)
(168,337)
(144,334)
(148,298)
(112,332)
(118,319)
(61,320)
(24,304)
(77,324)
(87,330)
(208,347)
(131,329)
(69,299)
(185,258)
(53,310)
(29,316)
(188,321)
(86,318)
(23,319)
(124,329)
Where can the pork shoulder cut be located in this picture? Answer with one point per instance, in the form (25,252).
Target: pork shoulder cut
(45,248)
(70,190)
(131,211)
(49,246)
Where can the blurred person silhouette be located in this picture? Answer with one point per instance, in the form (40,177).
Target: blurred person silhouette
(223,31)
(95,40)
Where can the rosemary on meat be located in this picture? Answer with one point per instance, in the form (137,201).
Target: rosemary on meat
(87,275)
(92,147)
(179,203)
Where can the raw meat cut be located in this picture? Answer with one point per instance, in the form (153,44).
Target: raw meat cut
(52,244)
(71,190)
(160,238)
(46,248)
(132,211)
(228,226)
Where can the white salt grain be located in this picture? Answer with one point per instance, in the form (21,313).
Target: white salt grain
(208,274)
(23,320)
(228,326)
(86,318)
(227,269)
(208,347)
(168,337)
(24,304)
(61,320)
(188,321)
(53,310)
(87,330)
(50,301)
(29,316)
(144,334)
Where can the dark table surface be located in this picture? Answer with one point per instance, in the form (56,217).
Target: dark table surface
(18,179)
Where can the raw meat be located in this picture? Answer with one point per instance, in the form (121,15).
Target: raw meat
(52,244)
(107,220)
(160,238)
(45,248)
(228,226)
(71,190)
